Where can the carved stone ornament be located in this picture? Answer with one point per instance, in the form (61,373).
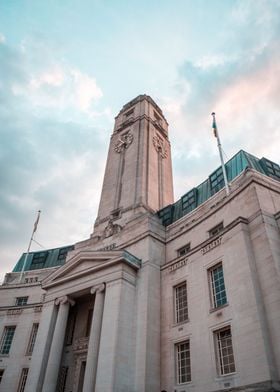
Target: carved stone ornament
(111,229)
(123,142)
(160,146)
(98,289)
(64,300)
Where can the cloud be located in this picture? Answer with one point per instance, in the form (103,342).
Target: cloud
(240,83)
(51,153)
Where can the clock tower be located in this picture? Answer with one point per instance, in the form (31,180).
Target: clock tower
(138,174)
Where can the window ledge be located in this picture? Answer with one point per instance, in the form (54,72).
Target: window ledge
(213,310)
(4,355)
(187,383)
(174,325)
(224,376)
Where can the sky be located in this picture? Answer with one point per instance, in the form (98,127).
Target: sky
(68,66)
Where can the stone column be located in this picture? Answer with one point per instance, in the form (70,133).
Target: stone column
(41,349)
(94,338)
(53,366)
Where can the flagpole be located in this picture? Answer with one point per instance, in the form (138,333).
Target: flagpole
(29,246)
(216,134)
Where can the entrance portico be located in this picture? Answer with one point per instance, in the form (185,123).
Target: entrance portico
(109,278)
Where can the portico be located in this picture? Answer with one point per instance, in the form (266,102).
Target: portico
(101,283)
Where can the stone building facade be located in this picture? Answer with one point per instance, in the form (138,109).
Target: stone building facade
(163,296)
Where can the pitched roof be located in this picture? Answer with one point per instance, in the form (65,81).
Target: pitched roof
(43,259)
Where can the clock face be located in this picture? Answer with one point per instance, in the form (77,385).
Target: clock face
(123,142)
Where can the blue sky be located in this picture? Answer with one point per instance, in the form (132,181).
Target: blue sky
(67,68)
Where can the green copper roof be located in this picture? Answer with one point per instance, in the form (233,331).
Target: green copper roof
(43,259)
(215,182)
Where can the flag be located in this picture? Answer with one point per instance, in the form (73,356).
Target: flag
(36,222)
(214,125)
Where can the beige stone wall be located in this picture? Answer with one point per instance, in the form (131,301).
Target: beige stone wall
(249,250)
(23,318)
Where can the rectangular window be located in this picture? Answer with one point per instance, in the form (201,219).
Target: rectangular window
(217,285)
(181,303)
(271,168)
(129,113)
(158,119)
(166,215)
(183,362)
(7,339)
(20,301)
(32,339)
(224,351)
(1,374)
(62,379)
(217,180)
(39,260)
(216,230)
(63,252)
(189,201)
(22,380)
(184,250)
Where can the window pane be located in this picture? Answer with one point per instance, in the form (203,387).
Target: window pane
(181,303)
(32,339)
(183,362)
(20,301)
(218,289)
(22,380)
(7,339)
(225,351)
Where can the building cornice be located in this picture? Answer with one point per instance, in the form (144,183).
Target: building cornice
(219,200)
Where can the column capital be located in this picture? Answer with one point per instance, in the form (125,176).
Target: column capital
(98,289)
(64,300)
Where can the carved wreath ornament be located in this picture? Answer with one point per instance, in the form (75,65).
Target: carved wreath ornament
(160,146)
(123,142)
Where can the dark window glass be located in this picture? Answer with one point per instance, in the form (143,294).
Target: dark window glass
(183,362)
(181,303)
(216,229)
(189,201)
(39,260)
(22,380)
(218,289)
(217,181)
(7,339)
(225,358)
(184,250)
(20,301)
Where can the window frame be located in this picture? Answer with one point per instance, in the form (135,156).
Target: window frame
(2,371)
(39,260)
(186,249)
(32,339)
(3,341)
(21,301)
(22,379)
(179,360)
(213,293)
(184,309)
(220,356)
(215,230)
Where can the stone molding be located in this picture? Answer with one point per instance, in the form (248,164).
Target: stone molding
(80,344)
(64,300)
(123,142)
(160,146)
